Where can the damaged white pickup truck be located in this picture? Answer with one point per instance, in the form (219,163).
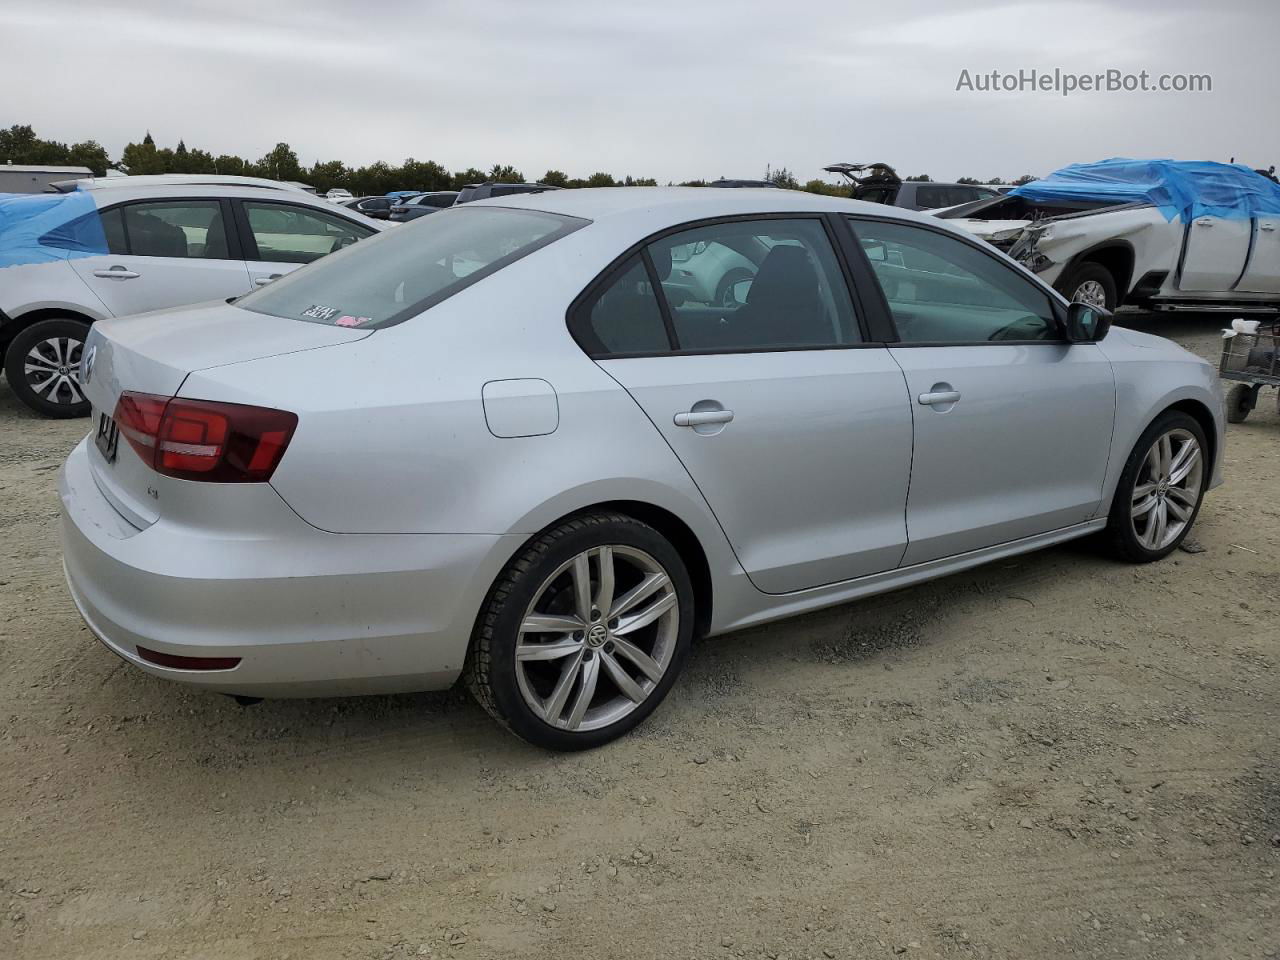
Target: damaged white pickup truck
(1155,234)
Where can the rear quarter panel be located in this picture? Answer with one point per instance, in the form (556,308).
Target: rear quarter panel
(392,436)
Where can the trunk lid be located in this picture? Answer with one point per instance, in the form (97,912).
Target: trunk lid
(153,353)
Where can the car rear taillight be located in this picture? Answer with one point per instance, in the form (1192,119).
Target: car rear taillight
(205,440)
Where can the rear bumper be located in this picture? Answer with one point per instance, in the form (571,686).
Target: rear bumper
(308,613)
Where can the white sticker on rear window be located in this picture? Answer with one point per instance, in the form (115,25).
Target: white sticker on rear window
(318,311)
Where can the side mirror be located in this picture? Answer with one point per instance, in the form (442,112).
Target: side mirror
(1087,324)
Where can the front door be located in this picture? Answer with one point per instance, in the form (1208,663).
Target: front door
(1012,424)
(796,431)
(163,253)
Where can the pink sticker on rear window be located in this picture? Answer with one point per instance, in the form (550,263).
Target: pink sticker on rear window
(349,321)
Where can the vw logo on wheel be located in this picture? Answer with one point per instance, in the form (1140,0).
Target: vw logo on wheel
(597,635)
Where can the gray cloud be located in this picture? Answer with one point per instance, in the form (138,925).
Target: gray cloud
(666,89)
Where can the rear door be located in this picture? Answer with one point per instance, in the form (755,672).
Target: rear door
(1263,273)
(165,253)
(279,236)
(793,423)
(1214,254)
(1012,423)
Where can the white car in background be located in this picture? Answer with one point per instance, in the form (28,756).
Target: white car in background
(166,245)
(339,195)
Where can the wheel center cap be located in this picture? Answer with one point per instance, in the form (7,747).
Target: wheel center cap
(597,635)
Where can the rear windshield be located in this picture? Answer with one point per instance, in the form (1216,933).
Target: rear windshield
(403,271)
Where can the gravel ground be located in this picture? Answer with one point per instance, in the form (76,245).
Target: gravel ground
(1056,756)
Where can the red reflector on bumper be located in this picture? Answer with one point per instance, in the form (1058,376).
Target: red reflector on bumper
(187,663)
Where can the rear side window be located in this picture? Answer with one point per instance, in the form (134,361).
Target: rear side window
(625,317)
(176,228)
(402,272)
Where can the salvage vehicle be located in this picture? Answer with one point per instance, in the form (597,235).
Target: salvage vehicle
(490,445)
(68,260)
(880,183)
(1153,234)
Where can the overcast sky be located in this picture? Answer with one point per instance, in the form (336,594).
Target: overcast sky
(674,89)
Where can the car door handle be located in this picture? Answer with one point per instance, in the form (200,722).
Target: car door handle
(1268,227)
(263,281)
(939,396)
(1204,222)
(696,418)
(117,273)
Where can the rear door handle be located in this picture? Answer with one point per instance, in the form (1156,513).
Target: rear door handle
(116,273)
(1204,222)
(263,281)
(940,396)
(1268,227)
(697,418)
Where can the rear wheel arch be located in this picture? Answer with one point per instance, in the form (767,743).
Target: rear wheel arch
(680,535)
(12,325)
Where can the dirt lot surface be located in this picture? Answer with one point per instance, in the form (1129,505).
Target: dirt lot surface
(1057,756)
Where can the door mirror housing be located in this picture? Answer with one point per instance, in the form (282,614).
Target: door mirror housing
(1086,323)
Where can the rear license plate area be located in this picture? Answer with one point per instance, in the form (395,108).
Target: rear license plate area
(108,437)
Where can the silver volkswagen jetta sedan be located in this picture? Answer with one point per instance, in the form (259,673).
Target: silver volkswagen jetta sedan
(504,442)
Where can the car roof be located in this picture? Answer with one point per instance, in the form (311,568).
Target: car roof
(180,179)
(685,203)
(645,210)
(200,191)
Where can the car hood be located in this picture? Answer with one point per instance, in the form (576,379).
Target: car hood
(986,229)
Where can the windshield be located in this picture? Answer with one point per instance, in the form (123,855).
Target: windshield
(398,274)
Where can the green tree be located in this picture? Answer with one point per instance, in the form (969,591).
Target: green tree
(141,159)
(229,166)
(920,178)
(91,154)
(995,182)
(469,175)
(1025,178)
(601,180)
(968,180)
(555,178)
(280,164)
(782,177)
(505,173)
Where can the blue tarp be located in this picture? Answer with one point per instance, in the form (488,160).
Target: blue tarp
(1187,189)
(46,227)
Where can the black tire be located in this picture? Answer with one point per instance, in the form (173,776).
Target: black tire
(490,671)
(1120,536)
(1240,402)
(1089,272)
(64,330)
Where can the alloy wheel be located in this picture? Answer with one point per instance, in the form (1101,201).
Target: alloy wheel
(52,369)
(1167,489)
(597,638)
(1091,292)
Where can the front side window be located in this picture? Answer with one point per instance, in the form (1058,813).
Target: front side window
(286,233)
(754,285)
(402,272)
(173,228)
(942,290)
